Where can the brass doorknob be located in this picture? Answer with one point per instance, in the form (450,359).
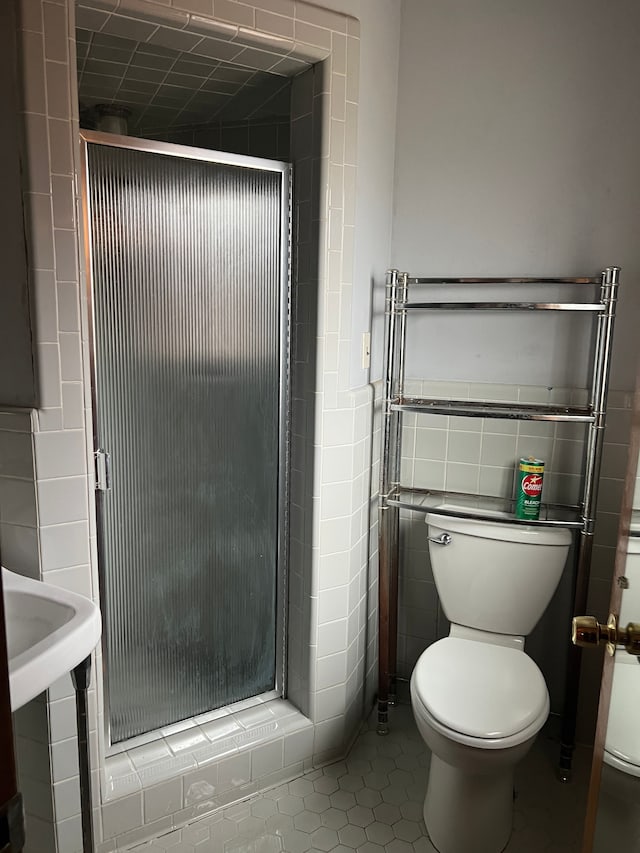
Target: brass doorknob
(587,632)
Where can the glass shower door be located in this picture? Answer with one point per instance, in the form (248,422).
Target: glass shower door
(187,253)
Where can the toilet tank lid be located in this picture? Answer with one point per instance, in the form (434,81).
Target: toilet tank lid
(623,731)
(480,689)
(484,529)
(633,543)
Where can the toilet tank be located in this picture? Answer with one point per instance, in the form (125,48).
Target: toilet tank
(495,576)
(630,609)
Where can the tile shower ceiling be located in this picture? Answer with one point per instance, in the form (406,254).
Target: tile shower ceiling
(166,88)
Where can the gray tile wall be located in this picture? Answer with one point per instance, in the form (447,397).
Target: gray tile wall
(19,539)
(256,138)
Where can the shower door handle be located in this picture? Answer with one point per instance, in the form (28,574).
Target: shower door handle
(103,470)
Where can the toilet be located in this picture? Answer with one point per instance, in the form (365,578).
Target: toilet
(478,699)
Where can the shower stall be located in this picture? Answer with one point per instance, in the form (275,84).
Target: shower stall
(187,255)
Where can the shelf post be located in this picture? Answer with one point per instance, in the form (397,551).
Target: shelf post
(398,393)
(388,515)
(595,441)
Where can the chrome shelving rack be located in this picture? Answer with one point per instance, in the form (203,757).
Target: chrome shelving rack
(394,496)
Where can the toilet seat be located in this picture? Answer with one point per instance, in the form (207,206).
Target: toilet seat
(622,744)
(498,697)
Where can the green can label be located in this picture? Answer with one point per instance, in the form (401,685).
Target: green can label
(529,488)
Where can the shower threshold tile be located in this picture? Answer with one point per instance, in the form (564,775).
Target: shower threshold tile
(210,716)
(253,717)
(116,784)
(225,727)
(281,709)
(186,741)
(149,753)
(257,735)
(244,705)
(166,769)
(176,728)
(215,750)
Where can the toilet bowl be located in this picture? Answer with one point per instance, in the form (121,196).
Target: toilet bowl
(618,817)
(478,699)
(622,743)
(479,706)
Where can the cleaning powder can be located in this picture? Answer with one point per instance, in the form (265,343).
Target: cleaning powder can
(529,487)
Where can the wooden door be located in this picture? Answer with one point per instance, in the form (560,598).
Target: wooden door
(613,805)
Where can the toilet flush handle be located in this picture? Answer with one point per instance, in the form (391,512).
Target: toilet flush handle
(443,539)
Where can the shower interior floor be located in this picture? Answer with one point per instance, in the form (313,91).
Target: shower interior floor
(371,802)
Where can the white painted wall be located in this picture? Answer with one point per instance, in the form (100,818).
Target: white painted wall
(379,56)
(517,153)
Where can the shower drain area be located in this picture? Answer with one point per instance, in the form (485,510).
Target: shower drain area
(371,802)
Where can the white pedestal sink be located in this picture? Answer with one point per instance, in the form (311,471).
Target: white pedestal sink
(49,632)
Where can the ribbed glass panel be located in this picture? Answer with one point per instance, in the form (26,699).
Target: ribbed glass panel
(187,302)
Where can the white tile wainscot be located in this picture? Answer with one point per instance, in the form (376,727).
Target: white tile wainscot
(199,767)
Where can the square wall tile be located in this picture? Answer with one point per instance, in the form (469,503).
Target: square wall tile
(234,771)
(16,455)
(337,428)
(497,481)
(64,545)
(267,759)
(298,746)
(55,32)
(17,502)
(335,500)
(540,448)
(162,800)
(122,815)
(62,719)
(429,474)
(498,450)
(332,637)
(20,549)
(60,454)
(200,785)
(66,798)
(331,670)
(69,833)
(62,500)
(330,702)
(464,447)
(64,759)
(430,443)
(332,604)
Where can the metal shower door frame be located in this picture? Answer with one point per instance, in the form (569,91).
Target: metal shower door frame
(88,138)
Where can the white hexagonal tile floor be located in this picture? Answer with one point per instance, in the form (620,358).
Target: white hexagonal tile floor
(372,803)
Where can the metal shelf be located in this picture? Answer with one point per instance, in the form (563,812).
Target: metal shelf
(402,301)
(483,507)
(593,307)
(525,280)
(493,409)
